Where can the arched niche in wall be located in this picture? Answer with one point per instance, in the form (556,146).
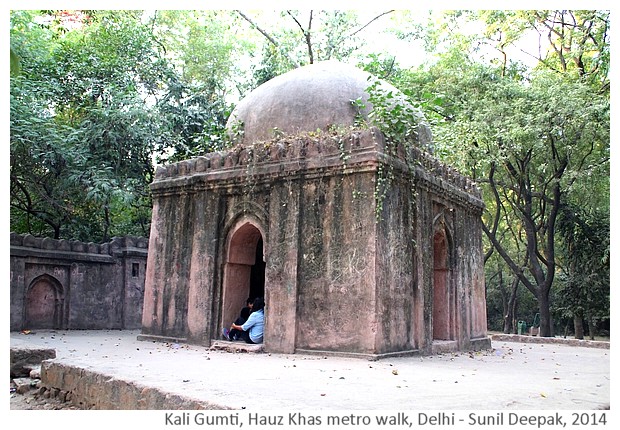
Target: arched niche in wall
(44,304)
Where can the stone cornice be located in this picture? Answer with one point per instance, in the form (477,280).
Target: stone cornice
(21,251)
(309,156)
(46,247)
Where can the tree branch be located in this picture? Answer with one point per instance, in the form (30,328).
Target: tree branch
(518,271)
(269,38)
(369,22)
(306,33)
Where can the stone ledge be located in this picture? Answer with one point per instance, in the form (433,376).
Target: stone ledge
(21,251)
(359,355)
(20,242)
(554,340)
(480,343)
(93,390)
(23,385)
(223,345)
(162,339)
(444,346)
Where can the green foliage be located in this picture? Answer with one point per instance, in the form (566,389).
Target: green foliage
(204,47)
(97,99)
(533,139)
(395,114)
(195,123)
(397,117)
(82,132)
(585,286)
(296,38)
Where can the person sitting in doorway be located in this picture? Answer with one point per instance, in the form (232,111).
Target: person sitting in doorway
(234,334)
(252,330)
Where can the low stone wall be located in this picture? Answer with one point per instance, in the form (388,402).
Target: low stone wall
(93,390)
(554,340)
(62,284)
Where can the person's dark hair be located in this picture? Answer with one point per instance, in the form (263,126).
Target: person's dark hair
(259,303)
(249,301)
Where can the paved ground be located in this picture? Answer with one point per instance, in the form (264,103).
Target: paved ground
(512,375)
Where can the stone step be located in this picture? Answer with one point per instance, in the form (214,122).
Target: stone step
(238,346)
(23,385)
(444,346)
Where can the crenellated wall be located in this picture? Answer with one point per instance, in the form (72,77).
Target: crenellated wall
(62,284)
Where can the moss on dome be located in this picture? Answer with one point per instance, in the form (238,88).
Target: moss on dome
(317,96)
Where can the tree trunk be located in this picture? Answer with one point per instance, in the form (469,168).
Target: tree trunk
(591,327)
(545,316)
(578,323)
(106,222)
(509,320)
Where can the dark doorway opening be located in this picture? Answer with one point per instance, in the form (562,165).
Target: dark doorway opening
(257,273)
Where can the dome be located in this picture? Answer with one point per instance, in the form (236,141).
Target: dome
(317,96)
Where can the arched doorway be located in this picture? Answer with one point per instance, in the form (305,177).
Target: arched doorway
(244,271)
(44,298)
(442,309)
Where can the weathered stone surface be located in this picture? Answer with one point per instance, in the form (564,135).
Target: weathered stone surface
(59,284)
(369,248)
(326,251)
(317,96)
(235,347)
(23,385)
(93,390)
(24,360)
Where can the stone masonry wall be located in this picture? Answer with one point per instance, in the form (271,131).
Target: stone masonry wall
(336,264)
(62,284)
(339,276)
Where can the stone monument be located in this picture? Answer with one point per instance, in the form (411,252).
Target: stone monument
(360,246)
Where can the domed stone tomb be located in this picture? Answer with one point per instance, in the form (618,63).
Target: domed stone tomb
(315,97)
(360,246)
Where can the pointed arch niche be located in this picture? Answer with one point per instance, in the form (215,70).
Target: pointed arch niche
(443,309)
(44,303)
(244,269)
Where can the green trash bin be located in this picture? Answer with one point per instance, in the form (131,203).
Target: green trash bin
(521,327)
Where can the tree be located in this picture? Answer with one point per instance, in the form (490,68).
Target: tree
(538,140)
(532,139)
(307,37)
(586,268)
(197,103)
(82,133)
